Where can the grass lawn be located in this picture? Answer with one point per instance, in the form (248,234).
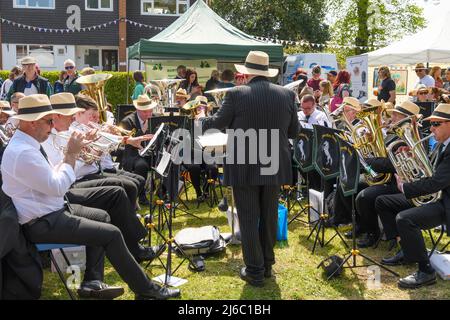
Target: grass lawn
(296,272)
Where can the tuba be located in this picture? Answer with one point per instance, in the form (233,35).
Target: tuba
(94,85)
(412,165)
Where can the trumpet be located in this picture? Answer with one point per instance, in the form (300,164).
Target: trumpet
(112,129)
(105,138)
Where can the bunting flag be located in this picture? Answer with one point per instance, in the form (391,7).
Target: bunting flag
(84,29)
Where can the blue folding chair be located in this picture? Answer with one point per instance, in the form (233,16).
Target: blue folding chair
(49,247)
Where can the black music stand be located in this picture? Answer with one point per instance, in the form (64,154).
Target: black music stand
(326,162)
(349,177)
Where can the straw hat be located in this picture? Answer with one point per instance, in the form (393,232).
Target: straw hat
(202,100)
(64,103)
(352,102)
(28,60)
(373,103)
(420,66)
(408,108)
(257,63)
(34,107)
(182,93)
(420,88)
(441,113)
(6,108)
(144,103)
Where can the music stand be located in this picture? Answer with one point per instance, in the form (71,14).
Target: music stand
(325,154)
(349,177)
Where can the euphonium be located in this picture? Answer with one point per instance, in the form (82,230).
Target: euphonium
(414,164)
(95,88)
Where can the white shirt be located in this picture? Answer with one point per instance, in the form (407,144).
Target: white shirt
(317,117)
(142,122)
(427,80)
(36,187)
(31,90)
(446,142)
(110,118)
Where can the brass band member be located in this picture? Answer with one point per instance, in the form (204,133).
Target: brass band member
(403,221)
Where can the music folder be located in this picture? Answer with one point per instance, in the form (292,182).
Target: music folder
(152,141)
(213,140)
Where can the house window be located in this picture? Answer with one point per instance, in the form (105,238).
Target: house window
(92,58)
(35,4)
(45,55)
(164,7)
(99,5)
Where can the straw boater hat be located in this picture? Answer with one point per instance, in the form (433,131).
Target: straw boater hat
(144,103)
(420,66)
(6,108)
(441,113)
(182,93)
(202,100)
(28,60)
(257,63)
(373,103)
(64,104)
(34,107)
(352,102)
(408,108)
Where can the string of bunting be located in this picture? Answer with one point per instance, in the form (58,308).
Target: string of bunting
(287,43)
(84,29)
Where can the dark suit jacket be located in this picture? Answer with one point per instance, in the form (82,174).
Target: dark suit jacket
(258,105)
(439,181)
(20,266)
(130,153)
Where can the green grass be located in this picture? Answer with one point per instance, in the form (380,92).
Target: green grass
(297,275)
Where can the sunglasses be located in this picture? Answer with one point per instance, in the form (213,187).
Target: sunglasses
(69,67)
(437,124)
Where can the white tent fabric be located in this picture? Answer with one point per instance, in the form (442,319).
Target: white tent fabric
(429,45)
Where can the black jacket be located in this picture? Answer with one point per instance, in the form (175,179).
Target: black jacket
(20,266)
(42,85)
(130,153)
(440,181)
(258,105)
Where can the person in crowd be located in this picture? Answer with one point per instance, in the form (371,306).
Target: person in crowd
(181,72)
(436,73)
(404,222)
(326,92)
(212,83)
(139,88)
(181,97)
(424,78)
(314,82)
(13,75)
(37,189)
(5,112)
(386,90)
(332,75)
(255,193)
(70,82)
(240,79)
(30,82)
(298,72)
(226,79)
(15,107)
(309,114)
(422,94)
(191,84)
(341,88)
(59,84)
(447,80)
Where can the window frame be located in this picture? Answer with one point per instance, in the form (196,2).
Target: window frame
(178,3)
(28,52)
(111,6)
(27,6)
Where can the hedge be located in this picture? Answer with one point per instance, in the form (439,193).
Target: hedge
(115,88)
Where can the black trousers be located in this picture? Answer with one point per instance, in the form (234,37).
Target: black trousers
(400,218)
(100,238)
(365,205)
(343,205)
(114,201)
(134,177)
(195,171)
(108,179)
(138,165)
(257,209)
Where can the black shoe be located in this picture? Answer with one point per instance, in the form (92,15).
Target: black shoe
(149,253)
(96,289)
(252,281)
(268,272)
(158,293)
(417,280)
(397,260)
(369,240)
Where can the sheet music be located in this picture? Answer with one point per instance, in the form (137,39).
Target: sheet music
(218,139)
(162,165)
(152,141)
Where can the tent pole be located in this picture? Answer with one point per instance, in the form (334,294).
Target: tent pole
(128,81)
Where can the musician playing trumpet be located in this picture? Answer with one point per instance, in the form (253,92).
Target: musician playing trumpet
(402,220)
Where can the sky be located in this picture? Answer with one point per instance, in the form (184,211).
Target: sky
(433,7)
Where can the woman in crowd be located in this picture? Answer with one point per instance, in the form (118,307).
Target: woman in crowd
(15,72)
(191,84)
(138,77)
(436,73)
(326,89)
(386,90)
(212,83)
(341,89)
(59,84)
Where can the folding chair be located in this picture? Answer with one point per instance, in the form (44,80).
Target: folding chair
(49,247)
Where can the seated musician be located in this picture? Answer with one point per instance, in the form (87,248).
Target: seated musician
(181,97)
(403,221)
(37,189)
(139,121)
(365,201)
(5,112)
(109,197)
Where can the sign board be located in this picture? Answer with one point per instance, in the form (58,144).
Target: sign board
(358,66)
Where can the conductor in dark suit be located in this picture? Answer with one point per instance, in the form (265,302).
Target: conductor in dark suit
(259,117)
(139,121)
(409,221)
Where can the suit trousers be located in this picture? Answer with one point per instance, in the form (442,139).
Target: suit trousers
(365,205)
(113,200)
(408,223)
(257,209)
(134,177)
(65,227)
